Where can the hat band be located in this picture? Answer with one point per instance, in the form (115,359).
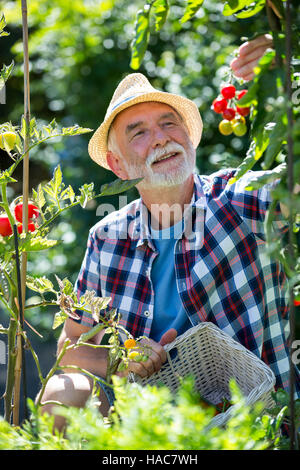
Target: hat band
(127,99)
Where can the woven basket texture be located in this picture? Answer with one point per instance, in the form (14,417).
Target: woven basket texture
(213,358)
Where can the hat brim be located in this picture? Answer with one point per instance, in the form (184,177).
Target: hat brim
(187,109)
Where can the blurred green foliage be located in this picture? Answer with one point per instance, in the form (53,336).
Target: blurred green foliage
(150,418)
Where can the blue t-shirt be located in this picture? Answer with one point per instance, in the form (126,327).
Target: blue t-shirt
(168,308)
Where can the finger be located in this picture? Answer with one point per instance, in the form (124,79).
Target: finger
(264,41)
(249,77)
(238,64)
(152,347)
(255,54)
(168,337)
(139,368)
(245,70)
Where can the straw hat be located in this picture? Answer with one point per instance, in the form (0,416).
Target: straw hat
(134,89)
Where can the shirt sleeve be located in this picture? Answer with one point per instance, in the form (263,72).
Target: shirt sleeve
(89,276)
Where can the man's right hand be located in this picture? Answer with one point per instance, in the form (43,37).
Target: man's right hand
(249,54)
(156,356)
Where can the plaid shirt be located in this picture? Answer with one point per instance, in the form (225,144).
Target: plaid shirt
(223,272)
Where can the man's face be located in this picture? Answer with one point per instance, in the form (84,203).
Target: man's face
(153,143)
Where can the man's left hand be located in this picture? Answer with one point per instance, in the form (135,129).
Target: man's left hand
(156,356)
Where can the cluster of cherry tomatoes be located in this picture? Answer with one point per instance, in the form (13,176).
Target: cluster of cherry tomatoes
(5,225)
(233,115)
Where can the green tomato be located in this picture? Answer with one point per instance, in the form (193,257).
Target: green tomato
(225,127)
(8,138)
(239,129)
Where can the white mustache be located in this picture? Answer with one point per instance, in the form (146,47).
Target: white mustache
(172,147)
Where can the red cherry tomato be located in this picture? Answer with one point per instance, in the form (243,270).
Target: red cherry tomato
(5,227)
(219,105)
(243,111)
(229,114)
(297,303)
(241,93)
(228,91)
(31,227)
(33,211)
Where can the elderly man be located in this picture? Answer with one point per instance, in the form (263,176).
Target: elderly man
(191,249)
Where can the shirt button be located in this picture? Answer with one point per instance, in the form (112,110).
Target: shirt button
(147,313)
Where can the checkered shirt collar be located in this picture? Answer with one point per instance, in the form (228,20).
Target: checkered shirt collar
(139,230)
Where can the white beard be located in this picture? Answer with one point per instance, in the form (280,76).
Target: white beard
(153,179)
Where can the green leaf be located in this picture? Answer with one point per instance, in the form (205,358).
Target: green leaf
(86,194)
(5,73)
(251,95)
(39,284)
(67,287)
(29,244)
(55,185)
(141,38)
(232,6)
(2,26)
(59,318)
(118,186)
(57,179)
(68,193)
(277,137)
(254,153)
(75,130)
(191,9)
(267,177)
(4,286)
(253,8)
(5,178)
(38,196)
(160,13)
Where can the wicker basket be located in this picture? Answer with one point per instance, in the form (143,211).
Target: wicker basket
(212,357)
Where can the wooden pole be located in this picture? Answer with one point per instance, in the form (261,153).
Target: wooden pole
(20,352)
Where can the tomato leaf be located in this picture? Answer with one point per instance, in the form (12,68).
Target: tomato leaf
(141,38)
(251,10)
(38,196)
(118,186)
(160,13)
(232,6)
(36,243)
(267,177)
(39,284)
(277,137)
(5,73)
(5,178)
(86,194)
(59,318)
(2,26)
(191,9)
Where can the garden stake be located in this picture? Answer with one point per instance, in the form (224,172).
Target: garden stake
(20,366)
(25,206)
(26,142)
